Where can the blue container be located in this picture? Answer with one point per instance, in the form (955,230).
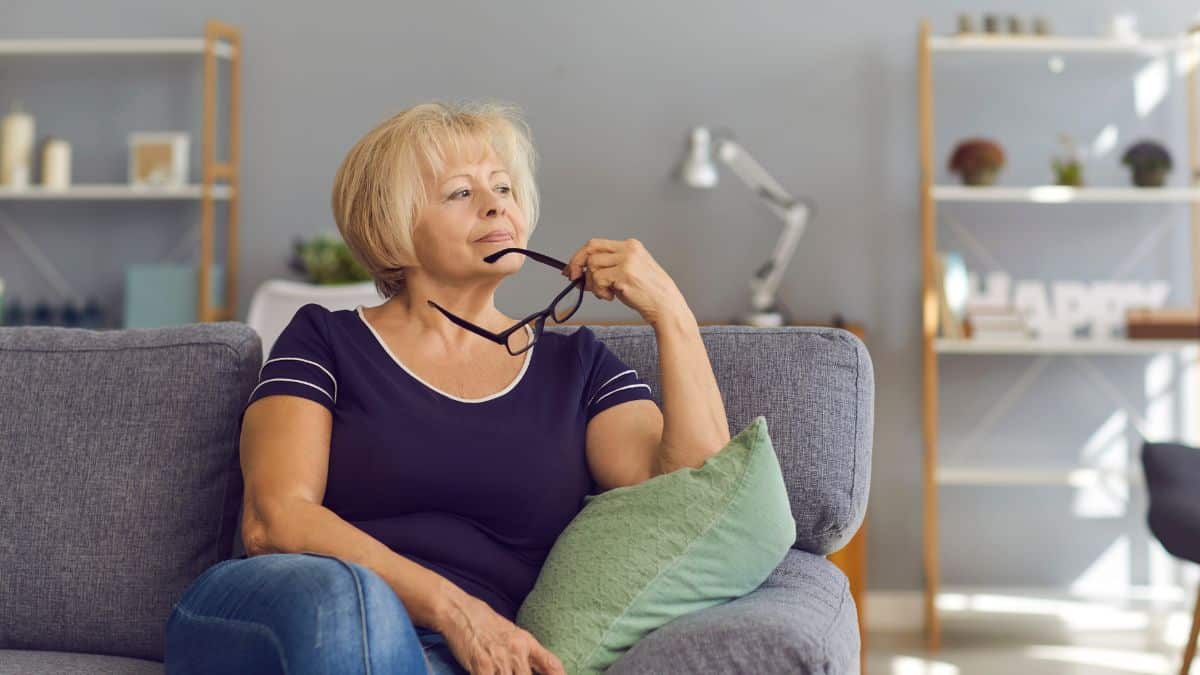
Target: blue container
(164,294)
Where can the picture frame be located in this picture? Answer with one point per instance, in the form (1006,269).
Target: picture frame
(159,158)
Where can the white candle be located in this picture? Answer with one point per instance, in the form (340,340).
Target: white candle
(56,164)
(16,148)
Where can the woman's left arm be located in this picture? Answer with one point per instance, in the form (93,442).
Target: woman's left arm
(694,425)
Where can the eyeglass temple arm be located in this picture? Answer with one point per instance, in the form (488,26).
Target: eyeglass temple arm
(470,326)
(540,257)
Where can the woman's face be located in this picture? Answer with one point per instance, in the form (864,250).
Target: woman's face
(467,202)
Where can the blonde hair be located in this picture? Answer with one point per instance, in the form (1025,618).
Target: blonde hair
(379,187)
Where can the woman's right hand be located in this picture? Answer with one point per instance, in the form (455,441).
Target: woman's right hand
(486,643)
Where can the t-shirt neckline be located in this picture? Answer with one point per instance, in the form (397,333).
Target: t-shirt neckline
(511,385)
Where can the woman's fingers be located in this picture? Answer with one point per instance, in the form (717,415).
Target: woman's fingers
(594,245)
(545,662)
(599,284)
(601,260)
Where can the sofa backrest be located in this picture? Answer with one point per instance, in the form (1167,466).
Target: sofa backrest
(816,388)
(121,484)
(118,451)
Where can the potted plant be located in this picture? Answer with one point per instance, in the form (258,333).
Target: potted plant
(1150,163)
(1068,169)
(326,260)
(332,277)
(977,160)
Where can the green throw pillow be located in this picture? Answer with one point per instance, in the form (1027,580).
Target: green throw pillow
(640,556)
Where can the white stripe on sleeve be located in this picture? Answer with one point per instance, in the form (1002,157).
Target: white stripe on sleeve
(288,379)
(314,363)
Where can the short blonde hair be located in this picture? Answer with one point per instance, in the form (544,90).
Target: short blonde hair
(379,187)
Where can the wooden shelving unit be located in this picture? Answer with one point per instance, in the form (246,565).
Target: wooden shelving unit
(220,41)
(933,475)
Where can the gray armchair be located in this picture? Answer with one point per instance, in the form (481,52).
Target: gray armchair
(118,451)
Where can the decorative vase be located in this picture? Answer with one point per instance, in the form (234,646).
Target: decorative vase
(1149,176)
(983,176)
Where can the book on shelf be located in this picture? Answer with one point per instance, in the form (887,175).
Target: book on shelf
(1163,323)
(991,322)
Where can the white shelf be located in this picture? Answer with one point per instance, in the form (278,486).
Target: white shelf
(113,46)
(1079,346)
(1058,44)
(1078,477)
(953,595)
(113,191)
(1058,194)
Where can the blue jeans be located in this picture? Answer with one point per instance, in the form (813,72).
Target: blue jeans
(299,613)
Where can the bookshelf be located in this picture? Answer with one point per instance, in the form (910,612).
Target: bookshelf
(220,181)
(935,347)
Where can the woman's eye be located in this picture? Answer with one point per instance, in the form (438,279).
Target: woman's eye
(505,188)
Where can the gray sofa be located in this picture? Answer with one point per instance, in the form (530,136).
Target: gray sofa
(121,484)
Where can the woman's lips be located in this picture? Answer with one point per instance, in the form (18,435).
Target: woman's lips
(494,238)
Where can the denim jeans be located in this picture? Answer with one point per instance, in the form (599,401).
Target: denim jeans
(299,613)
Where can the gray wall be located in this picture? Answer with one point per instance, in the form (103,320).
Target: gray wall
(823,95)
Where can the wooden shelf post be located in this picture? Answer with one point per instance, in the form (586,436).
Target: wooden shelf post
(214,33)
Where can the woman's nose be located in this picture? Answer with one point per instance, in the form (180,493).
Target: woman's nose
(494,206)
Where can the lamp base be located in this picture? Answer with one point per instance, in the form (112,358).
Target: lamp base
(762,319)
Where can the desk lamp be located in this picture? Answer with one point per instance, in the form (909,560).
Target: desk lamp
(699,171)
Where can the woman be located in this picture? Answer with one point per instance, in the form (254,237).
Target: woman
(404,477)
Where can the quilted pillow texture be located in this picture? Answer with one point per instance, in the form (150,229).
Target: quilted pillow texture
(639,556)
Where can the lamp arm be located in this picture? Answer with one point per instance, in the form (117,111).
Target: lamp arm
(795,214)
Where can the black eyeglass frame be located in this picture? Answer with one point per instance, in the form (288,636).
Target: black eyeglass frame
(539,316)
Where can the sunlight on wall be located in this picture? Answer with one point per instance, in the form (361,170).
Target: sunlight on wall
(1188,376)
(1185,60)
(1163,567)
(1107,450)
(1160,400)
(1105,141)
(1150,86)
(1110,571)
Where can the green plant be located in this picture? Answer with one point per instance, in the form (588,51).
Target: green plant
(1068,170)
(977,160)
(325,259)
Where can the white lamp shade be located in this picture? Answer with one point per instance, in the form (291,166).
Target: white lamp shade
(698,169)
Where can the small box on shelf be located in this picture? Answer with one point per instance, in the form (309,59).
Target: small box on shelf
(165,294)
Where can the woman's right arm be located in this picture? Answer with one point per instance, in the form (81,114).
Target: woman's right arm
(285,463)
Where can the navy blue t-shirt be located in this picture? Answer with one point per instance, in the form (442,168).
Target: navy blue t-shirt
(476,490)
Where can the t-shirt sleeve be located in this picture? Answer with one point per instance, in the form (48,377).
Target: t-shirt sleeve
(301,361)
(609,381)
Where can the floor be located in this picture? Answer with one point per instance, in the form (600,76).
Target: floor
(1032,635)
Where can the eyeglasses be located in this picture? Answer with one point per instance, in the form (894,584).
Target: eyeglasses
(560,309)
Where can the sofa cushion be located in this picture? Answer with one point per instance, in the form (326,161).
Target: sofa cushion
(121,478)
(801,620)
(638,556)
